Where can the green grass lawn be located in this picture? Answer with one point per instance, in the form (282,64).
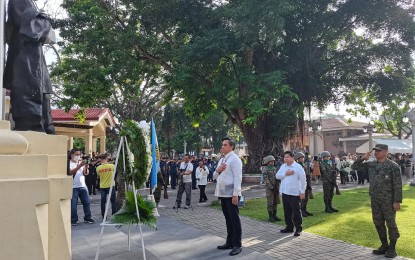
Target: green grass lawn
(354,221)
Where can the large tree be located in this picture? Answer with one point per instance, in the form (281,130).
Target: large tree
(261,62)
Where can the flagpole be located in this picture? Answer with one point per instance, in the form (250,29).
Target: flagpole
(151,140)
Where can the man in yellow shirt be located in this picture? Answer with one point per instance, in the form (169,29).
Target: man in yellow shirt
(105,173)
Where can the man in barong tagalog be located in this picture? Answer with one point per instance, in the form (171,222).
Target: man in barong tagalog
(26,74)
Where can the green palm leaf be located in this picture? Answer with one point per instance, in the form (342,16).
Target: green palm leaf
(127,215)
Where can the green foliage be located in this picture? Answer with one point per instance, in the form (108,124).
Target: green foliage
(137,145)
(79,143)
(259,63)
(175,127)
(388,113)
(127,215)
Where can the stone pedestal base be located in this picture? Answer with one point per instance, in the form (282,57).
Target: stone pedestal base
(35,195)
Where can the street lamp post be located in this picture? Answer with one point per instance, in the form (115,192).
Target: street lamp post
(184,146)
(410,117)
(370,128)
(314,126)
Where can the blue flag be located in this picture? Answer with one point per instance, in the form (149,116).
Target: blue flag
(155,155)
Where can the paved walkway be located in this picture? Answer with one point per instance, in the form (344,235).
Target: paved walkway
(195,234)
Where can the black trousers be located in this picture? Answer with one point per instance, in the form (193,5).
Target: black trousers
(173,180)
(233,223)
(203,196)
(360,177)
(292,212)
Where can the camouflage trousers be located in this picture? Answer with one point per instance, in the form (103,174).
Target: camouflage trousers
(273,198)
(157,193)
(328,191)
(304,202)
(382,211)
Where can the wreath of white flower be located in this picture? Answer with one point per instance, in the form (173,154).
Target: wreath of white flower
(145,128)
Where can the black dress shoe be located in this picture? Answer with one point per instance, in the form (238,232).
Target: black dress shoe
(297,233)
(235,250)
(286,230)
(225,246)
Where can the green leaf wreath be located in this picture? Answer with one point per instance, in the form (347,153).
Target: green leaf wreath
(137,144)
(138,165)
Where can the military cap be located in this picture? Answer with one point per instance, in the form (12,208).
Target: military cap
(325,154)
(298,155)
(380,147)
(268,159)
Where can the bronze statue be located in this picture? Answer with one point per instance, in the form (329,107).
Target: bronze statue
(26,74)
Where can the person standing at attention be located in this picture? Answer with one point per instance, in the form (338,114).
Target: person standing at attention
(293,185)
(201,177)
(385,190)
(272,187)
(228,188)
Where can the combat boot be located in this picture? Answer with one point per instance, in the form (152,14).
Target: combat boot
(328,209)
(332,209)
(303,213)
(391,252)
(306,212)
(326,203)
(274,215)
(382,249)
(270,217)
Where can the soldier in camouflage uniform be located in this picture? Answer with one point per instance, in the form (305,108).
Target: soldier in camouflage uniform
(299,158)
(385,190)
(328,176)
(272,187)
(159,187)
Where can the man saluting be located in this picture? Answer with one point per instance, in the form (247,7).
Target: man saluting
(385,192)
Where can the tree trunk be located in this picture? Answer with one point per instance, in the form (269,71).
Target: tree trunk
(259,145)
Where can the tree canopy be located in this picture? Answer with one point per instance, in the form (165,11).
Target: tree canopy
(261,62)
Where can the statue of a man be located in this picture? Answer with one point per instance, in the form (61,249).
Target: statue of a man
(26,73)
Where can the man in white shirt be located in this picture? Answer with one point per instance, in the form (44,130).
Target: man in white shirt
(228,188)
(78,170)
(293,185)
(185,182)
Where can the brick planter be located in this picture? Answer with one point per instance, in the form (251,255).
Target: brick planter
(251,178)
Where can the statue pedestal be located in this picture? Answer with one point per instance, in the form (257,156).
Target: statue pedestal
(35,195)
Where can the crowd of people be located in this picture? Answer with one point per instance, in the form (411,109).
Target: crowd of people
(287,180)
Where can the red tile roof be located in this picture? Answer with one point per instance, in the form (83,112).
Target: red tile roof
(90,114)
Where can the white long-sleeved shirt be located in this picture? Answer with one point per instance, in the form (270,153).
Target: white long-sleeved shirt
(229,181)
(202,175)
(295,184)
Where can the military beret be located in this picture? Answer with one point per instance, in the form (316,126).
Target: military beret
(380,147)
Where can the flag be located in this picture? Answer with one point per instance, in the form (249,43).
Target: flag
(155,157)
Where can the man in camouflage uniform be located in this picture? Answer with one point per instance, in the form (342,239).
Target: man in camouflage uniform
(159,187)
(272,187)
(385,190)
(328,176)
(299,157)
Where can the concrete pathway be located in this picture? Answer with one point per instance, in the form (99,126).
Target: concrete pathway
(194,234)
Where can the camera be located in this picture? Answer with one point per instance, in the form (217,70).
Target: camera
(86,159)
